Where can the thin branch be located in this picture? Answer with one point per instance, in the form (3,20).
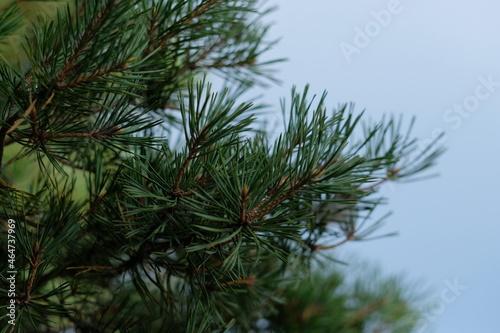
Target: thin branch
(177,192)
(152,31)
(245,63)
(193,151)
(368,309)
(13,159)
(254,213)
(83,41)
(172,107)
(199,11)
(47,102)
(20,120)
(250,281)
(193,65)
(89,268)
(271,193)
(35,262)
(99,74)
(350,236)
(202,9)
(69,135)
(245,198)
(391,175)
(201,180)
(10,140)
(52,136)
(267,205)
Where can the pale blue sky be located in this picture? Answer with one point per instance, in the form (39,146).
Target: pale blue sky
(429,60)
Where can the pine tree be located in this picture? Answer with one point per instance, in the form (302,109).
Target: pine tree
(135,198)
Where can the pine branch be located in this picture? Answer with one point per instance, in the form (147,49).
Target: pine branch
(35,262)
(83,41)
(349,237)
(201,237)
(193,151)
(88,78)
(266,205)
(249,281)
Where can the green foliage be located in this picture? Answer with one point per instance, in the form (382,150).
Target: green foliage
(345,300)
(124,225)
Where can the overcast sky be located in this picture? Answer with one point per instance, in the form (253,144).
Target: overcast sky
(441,63)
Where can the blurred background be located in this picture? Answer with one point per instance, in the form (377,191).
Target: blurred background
(438,61)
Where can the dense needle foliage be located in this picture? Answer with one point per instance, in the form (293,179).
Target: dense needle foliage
(123,224)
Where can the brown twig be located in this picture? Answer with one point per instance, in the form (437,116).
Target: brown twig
(89,268)
(248,62)
(162,43)
(351,235)
(271,193)
(201,180)
(193,152)
(20,120)
(14,159)
(249,281)
(391,175)
(368,309)
(13,122)
(152,31)
(10,140)
(245,198)
(199,11)
(82,42)
(267,205)
(177,192)
(173,107)
(44,136)
(90,77)
(193,65)
(47,102)
(35,262)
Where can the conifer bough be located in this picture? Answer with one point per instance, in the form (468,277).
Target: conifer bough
(122,224)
